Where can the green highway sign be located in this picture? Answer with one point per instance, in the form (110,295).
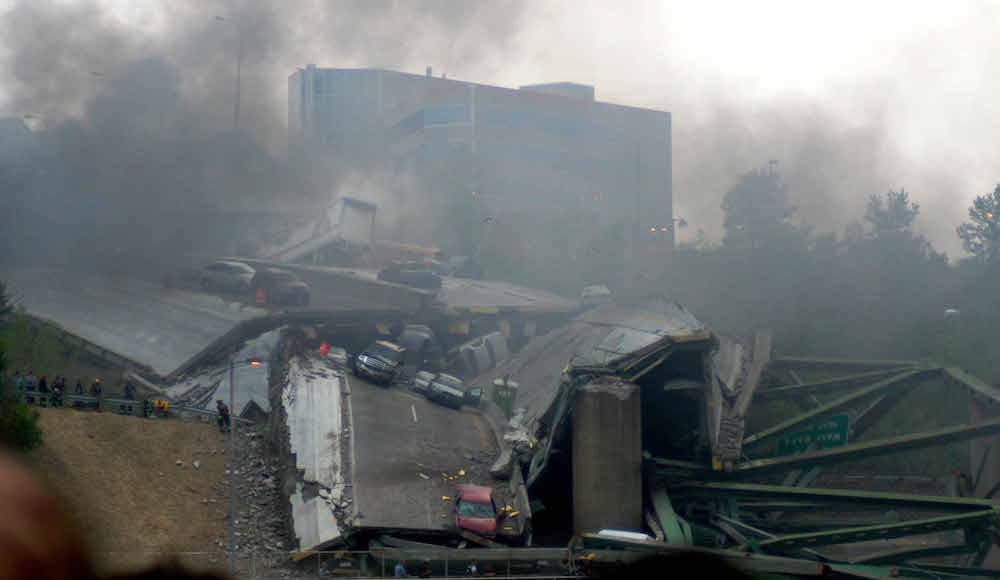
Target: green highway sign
(831,432)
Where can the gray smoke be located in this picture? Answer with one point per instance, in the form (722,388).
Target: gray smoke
(138,122)
(140,119)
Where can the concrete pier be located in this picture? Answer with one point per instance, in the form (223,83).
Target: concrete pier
(607,457)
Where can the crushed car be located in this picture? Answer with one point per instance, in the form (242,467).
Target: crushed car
(475,510)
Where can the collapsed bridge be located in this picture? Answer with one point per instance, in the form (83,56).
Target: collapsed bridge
(704,440)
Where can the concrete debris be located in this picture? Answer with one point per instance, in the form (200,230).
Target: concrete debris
(735,376)
(196,464)
(179,463)
(261,506)
(423,476)
(501,468)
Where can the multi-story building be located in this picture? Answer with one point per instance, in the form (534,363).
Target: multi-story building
(539,147)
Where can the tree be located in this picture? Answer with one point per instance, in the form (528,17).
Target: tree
(6,304)
(893,213)
(981,234)
(758,212)
(18,422)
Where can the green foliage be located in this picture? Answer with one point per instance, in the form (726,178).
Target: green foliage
(18,422)
(6,305)
(758,213)
(981,234)
(894,213)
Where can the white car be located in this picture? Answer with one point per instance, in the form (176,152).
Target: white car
(227,275)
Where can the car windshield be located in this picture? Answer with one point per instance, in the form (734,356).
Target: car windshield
(470,509)
(385,353)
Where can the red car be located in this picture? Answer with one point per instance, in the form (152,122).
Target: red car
(475,510)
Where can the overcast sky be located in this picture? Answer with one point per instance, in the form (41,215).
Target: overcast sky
(852,98)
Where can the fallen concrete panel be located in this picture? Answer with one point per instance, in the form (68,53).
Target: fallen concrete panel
(315,525)
(152,326)
(311,399)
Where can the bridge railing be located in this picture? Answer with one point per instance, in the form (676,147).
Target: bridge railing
(522,563)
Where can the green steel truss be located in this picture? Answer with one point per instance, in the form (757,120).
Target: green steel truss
(754,515)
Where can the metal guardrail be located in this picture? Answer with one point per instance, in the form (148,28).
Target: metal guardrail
(120,405)
(208,413)
(538,564)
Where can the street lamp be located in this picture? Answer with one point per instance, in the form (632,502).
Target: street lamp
(239,65)
(233,363)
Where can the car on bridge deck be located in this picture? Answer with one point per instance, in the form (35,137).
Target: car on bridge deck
(411,274)
(381,362)
(475,510)
(281,287)
(447,390)
(226,275)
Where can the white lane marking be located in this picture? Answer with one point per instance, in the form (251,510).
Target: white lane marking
(414,411)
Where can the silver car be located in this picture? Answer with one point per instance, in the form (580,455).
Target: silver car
(226,275)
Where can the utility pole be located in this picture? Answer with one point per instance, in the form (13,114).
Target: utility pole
(239,67)
(232,466)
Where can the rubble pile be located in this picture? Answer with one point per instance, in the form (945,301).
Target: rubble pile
(262,539)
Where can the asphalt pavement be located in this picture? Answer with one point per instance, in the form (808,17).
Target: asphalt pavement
(408,453)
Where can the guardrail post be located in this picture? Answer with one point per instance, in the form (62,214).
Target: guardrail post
(446,566)
(508,566)
(383,563)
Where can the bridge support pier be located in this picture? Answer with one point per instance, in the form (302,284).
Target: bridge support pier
(607,457)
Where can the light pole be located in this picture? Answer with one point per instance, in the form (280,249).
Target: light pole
(232,456)
(239,66)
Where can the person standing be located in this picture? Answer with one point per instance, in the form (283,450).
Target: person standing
(400,570)
(224,419)
(43,385)
(97,391)
(57,392)
(78,389)
(18,380)
(29,381)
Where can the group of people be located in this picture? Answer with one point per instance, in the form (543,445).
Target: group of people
(400,571)
(26,383)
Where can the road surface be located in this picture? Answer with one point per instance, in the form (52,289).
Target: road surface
(403,444)
(141,321)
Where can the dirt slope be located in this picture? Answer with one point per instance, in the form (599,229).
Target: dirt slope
(120,477)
